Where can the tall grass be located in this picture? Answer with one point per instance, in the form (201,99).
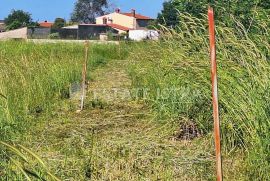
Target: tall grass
(33,78)
(176,73)
(34,82)
(20,158)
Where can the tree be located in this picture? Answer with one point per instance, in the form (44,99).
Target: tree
(243,10)
(86,11)
(169,15)
(59,23)
(17,19)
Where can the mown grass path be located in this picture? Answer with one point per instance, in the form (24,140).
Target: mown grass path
(117,138)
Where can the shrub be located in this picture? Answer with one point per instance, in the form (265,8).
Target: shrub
(54,36)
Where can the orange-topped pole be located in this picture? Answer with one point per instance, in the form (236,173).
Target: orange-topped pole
(215,92)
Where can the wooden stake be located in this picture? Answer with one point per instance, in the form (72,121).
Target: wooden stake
(84,74)
(215,92)
(3,96)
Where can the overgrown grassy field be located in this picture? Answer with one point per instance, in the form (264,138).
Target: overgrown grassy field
(163,132)
(176,74)
(35,81)
(34,77)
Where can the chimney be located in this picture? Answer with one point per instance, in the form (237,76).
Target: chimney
(133,11)
(45,21)
(117,10)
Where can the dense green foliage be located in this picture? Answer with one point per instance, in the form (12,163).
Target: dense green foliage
(59,23)
(169,15)
(86,11)
(247,12)
(176,74)
(18,19)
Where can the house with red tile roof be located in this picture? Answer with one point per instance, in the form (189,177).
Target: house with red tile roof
(124,21)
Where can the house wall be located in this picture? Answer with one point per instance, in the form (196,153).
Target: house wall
(38,33)
(66,33)
(2,27)
(14,34)
(119,19)
(139,35)
(92,32)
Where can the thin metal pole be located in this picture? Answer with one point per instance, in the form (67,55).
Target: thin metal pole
(215,92)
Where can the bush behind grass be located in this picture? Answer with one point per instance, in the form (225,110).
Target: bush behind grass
(180,61)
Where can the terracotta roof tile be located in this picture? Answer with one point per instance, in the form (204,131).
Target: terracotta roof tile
(116,26)
(137,16)
(45,24)
(85,24)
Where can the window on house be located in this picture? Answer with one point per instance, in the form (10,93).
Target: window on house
(104,20)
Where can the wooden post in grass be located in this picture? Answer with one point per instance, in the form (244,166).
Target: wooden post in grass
(84,74)
(215,92)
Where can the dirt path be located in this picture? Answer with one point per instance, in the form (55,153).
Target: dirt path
(116,138)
